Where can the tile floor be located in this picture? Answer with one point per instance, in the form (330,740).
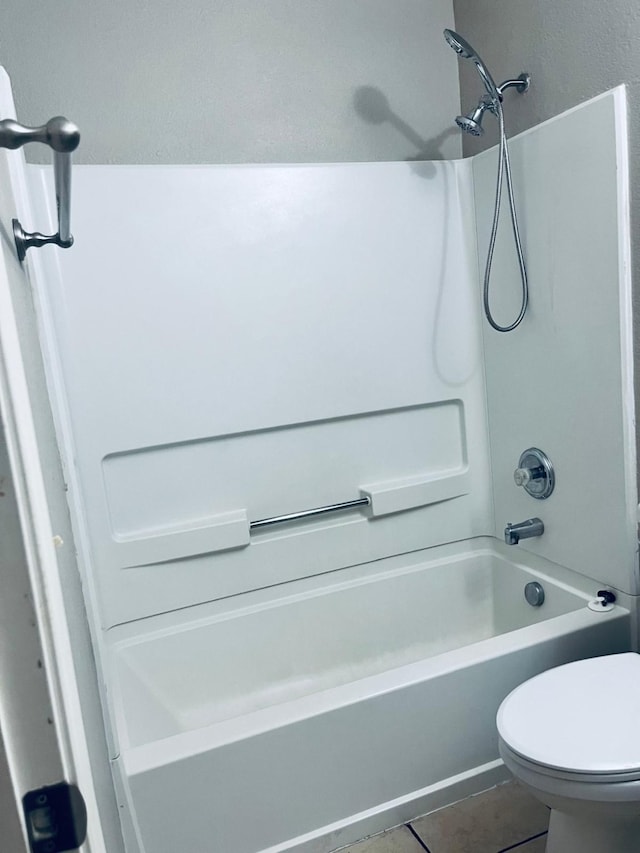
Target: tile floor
(503,819)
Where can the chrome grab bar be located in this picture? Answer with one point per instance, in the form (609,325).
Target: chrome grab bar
(309,513)
(63,137)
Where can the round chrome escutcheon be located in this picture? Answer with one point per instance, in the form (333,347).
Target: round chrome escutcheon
(535,473)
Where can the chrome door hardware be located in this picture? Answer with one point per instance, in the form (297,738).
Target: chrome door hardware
(63,137)
(535,474)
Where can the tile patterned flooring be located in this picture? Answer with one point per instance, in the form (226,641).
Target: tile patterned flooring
(503,819)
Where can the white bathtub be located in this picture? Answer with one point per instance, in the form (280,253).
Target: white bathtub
(306,716)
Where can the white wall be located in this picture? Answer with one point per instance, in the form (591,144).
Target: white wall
(286,336)
(230,81)
(562,381)
(573,50)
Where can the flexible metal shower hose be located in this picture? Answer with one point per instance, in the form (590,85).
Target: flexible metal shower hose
(504,166)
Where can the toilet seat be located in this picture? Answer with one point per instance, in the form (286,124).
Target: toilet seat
(579,722)
(526,766)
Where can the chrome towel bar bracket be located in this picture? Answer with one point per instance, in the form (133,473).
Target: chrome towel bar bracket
(309,513)
(63,137)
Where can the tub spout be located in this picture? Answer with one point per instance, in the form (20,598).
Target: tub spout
(513,533)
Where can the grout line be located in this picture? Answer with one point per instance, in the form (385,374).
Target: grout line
(417,837)
(521,843)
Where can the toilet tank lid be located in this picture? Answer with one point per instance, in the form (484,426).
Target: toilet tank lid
(582,717)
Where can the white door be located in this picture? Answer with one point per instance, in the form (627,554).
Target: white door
(42,735)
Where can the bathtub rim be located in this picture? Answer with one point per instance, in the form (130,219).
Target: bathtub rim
(163,624)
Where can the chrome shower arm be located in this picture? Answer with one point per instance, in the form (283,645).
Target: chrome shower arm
(521,83)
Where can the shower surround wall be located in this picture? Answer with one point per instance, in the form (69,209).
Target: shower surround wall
(574,50)
(550,385)
(289,341)
(278,338)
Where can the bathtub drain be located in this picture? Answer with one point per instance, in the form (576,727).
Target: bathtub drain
(534,593)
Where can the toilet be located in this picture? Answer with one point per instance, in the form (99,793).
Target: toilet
(571,736)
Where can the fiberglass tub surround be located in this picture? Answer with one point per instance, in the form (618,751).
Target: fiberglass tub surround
(312,637)
(377,684)
(311,335)
(273,364)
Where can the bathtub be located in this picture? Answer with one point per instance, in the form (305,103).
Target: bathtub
(306,716)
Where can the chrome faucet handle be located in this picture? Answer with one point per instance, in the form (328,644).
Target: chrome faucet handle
(535,473)
(522,476)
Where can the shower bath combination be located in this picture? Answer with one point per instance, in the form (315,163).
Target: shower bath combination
(472,124)
(204,630)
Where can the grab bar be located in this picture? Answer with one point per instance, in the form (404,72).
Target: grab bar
(63,137)
(308,513)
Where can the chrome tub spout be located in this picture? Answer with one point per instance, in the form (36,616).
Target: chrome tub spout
(513,533)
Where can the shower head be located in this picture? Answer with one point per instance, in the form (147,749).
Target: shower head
(472,123)
(465,51)
(462,47)
(468,125)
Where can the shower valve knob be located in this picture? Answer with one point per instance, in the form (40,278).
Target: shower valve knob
(535,473)
(522,476)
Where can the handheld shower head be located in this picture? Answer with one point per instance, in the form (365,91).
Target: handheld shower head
(472,123)
(465,51)
(461,47)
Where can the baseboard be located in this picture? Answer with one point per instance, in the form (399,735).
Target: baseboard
(395,812)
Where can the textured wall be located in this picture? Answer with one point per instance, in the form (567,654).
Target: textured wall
(573,50)
(155,81)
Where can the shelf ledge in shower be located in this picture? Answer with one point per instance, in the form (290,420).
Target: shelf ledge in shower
(231,530)
(392,496)
(205,535)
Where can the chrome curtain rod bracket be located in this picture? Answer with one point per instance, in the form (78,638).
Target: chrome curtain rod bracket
(309,513)
(63,137)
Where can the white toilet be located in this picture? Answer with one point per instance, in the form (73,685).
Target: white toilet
(572,737)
